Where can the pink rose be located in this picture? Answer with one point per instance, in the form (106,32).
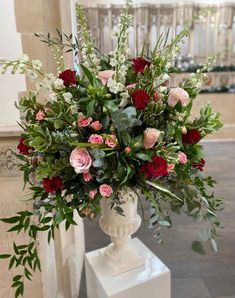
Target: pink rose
(92,193)
(96,125)
(87,176)
(105,190)
(127,150)
(82,121)
(157,96)
(182,157)
(151,136)
(80,160)
(95,139)
(130,86)
(170,167)
(176,95)
(40,115)
(105,75)
(111,141)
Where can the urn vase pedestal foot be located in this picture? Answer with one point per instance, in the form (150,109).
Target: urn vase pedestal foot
(152,279)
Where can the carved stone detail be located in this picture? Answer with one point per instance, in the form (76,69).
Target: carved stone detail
(8,161)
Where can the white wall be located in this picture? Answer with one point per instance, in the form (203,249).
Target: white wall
(10,48)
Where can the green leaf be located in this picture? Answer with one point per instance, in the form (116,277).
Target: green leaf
(58,124)
(5,256)
(198,247)
(10,219)
(59,217)
(91,78)
(90,108)
(143,156)
(163,189)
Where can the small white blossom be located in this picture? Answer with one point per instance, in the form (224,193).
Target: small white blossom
(67,97)
(24,58)
(113,62)
(52,97)
(74,109)
(37,64)
(59,84)
(31,74)
(42,210)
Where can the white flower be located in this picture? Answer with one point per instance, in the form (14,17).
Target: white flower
(125,96)
(50,77)
(74,109)
(113,62)
(37,64)
(52,97)
(24,58)
(67,97)
(42,210)
(31,74)
(59,84)
(21,67)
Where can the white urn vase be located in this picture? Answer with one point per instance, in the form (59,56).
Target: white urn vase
(120,255)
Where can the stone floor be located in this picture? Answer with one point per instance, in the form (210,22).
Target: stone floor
(194,276)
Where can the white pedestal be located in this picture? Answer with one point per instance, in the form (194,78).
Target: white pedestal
(150,280)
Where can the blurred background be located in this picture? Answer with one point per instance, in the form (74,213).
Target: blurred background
(212,33)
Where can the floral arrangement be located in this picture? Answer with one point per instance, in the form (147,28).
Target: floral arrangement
(116,123)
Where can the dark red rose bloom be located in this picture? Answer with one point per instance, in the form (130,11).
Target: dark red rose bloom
(53,184)
(23,148)
(140,99)
(155,168)
(139,63)
(191,137)
(68,76)
(199,165)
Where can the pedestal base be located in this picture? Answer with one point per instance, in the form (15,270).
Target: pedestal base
(150,280)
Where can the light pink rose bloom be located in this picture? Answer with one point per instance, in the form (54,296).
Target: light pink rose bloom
(87,176)
(105,75)
(157,96)
(130,86)
(82,121)
(170,167)
(151,136)
(127,150)
(105,190)
(96,125)
(184,130)
(176,95)
(92,193)
(40,115)
(182,157)
(111,141)
(95,139)
(80,160)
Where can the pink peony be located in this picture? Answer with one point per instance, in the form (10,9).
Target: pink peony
(40,115)
(127,150)
(80,160)
(95,139)
(170,167)
(176,95)
(105,190)
(182,157)
(157,96)
(111,141)
(105,75)
(151,136)
(130,86)
(87,176)
(82,121)
(96,125)
(92,193)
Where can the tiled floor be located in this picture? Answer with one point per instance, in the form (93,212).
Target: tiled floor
(194,276)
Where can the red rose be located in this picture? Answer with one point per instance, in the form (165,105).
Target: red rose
(139,63)
(68,77)
(199,165)
(53,184)
(23,148)
(140,99)
(155,168)
(191,137)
